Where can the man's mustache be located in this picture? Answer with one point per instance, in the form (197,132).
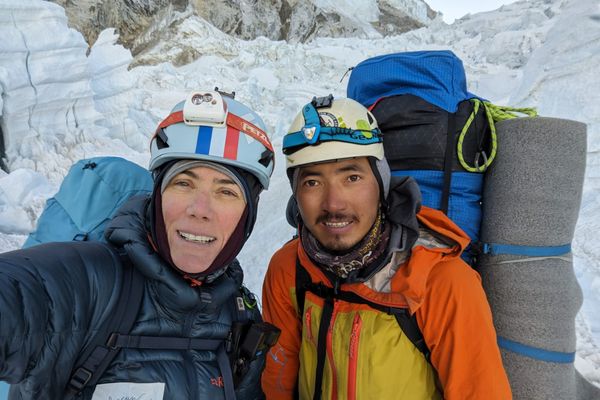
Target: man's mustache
(335,217)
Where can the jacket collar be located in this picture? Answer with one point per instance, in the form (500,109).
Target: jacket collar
(442,241)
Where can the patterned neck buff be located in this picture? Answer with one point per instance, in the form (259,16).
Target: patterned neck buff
(365,252)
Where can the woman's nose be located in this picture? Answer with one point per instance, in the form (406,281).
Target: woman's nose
(200,205)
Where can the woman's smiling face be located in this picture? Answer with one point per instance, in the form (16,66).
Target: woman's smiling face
(201,209)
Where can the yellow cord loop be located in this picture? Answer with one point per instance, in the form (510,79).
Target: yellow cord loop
(501,113)
(493,114)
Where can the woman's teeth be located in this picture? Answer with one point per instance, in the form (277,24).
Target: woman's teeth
(194,238)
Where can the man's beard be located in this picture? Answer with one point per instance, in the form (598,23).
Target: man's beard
(336,244)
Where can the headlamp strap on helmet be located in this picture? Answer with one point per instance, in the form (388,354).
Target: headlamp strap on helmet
(312,123)
(159,133)
(249,129)
(173,118)
(233,121)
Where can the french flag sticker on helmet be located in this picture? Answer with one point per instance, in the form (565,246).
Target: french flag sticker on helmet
(219,142)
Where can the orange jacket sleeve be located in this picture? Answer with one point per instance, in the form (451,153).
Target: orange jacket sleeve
(456,322)
(281,371)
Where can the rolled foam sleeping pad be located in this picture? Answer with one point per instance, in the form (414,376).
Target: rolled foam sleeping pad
(534,303)
(532,191)
(531,197)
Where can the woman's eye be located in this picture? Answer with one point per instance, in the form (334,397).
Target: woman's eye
(181,183)
(230,193)
(354,178)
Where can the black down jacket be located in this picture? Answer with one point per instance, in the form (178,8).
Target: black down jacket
(54,296)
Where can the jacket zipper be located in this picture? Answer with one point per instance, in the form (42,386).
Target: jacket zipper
(334,388)
(308,324)
(353,356)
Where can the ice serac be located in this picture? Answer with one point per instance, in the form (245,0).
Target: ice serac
(113,90)
(47,101)
(532,195)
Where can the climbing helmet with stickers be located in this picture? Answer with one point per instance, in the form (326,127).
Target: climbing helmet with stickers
(331,129)
(213,126)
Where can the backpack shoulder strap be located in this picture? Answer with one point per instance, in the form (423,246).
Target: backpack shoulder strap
(303,280)
(118,341)
(407,322)
(114,336)
(92,363)
(249,338)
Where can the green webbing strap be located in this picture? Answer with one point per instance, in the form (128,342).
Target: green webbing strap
(493,114)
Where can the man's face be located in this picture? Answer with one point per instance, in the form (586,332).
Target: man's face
(201,208)
(338,201)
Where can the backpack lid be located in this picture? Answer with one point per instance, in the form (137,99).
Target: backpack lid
(437,76)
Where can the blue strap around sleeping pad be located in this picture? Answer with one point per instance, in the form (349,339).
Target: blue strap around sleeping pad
(535,352)
(533,251)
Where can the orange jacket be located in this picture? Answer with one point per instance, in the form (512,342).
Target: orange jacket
(451,310)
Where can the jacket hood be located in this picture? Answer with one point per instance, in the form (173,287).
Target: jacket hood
(447,243)
(127,232)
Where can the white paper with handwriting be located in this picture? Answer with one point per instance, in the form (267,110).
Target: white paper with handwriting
(129,391)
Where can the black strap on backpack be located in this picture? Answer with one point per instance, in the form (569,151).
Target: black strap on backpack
(119,341)
(304,283)
(92,363)
(448,161)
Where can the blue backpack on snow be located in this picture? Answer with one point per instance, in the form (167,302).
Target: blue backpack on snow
(91,192)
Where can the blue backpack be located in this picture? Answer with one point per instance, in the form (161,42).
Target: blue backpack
(434,129)
(92,191)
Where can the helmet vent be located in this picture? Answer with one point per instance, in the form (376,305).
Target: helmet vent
(265,158)
(161,139)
